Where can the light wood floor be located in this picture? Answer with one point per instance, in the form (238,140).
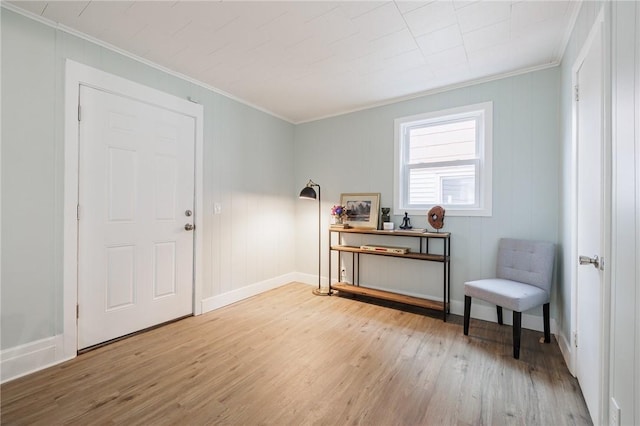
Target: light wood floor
(287,357)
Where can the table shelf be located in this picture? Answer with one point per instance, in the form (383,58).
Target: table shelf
(409,255)
(423,255)
(390,296)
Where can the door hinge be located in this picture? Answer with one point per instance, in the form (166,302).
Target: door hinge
(577,92)
(575,339)
(77,311)
(79,113)
(77,211)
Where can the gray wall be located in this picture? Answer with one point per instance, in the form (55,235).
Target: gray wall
(248,170)
(354,153)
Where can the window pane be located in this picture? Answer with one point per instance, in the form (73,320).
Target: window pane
(458,190)
(445,157)
(442,142)
(453,185)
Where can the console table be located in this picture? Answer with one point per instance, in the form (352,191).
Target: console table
(423,254)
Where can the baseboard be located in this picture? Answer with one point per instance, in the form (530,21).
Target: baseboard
(567,352)
(34,356)
(488,313)
(478,310)
(31,357)
(220,300)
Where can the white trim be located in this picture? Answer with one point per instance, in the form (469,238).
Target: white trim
(368,106)
(224,299)
(137,58)
(479,309)
(30,357)
(488,313)
(311,279)
(1,368)
(485,157)
(577,5)
(436,90)
(566,350)
(70,225)
(599,27)
(607,127)
(636,385)
(75,75)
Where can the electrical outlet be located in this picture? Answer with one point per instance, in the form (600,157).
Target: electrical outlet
(614,419)
(343,275)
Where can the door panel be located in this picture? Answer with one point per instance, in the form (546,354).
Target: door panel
(164,271)
(589,285)
(120,277)
(136,181)
(122,184)
(165,187)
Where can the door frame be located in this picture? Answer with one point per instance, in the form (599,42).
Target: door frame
(77,74)
(601,24)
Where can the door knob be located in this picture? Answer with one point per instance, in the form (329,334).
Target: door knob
(586,260)
(189,227)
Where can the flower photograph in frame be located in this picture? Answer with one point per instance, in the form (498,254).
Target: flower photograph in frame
(362,209)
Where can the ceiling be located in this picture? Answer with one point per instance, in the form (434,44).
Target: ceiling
(304,60)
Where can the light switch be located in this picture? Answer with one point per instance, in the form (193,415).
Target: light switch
(217,208)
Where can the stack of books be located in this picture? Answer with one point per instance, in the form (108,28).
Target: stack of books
(340,226)
(385,249)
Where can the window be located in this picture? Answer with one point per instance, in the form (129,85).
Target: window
(444,158)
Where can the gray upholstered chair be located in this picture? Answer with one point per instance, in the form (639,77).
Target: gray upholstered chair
(523,281)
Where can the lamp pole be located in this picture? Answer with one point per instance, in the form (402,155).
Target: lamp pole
(310,194)
(319,291)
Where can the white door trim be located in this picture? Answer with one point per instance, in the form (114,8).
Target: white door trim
(600,26)
(75,75)
(637,170)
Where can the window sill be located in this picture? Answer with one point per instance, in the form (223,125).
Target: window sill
(449,211)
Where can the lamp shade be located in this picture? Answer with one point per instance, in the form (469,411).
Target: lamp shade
(308,193)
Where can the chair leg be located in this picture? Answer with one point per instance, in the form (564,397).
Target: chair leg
(467,313)
(547,327)
(517,326)
(499,310)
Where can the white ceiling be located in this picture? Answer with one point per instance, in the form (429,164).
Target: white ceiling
(303,60)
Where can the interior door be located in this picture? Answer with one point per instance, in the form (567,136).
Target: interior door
(136,195)
(590,236)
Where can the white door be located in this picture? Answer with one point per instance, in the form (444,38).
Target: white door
(136,192)
(590,236)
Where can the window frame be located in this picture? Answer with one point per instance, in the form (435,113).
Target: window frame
(483,113)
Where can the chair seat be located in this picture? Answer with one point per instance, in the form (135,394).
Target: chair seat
(509,294)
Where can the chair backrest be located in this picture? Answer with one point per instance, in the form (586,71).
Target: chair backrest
(529,262)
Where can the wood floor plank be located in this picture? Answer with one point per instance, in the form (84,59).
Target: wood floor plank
(288,357)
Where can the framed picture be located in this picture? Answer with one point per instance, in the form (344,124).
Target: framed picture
(362,209)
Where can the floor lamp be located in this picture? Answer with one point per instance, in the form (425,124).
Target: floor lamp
(308,193)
